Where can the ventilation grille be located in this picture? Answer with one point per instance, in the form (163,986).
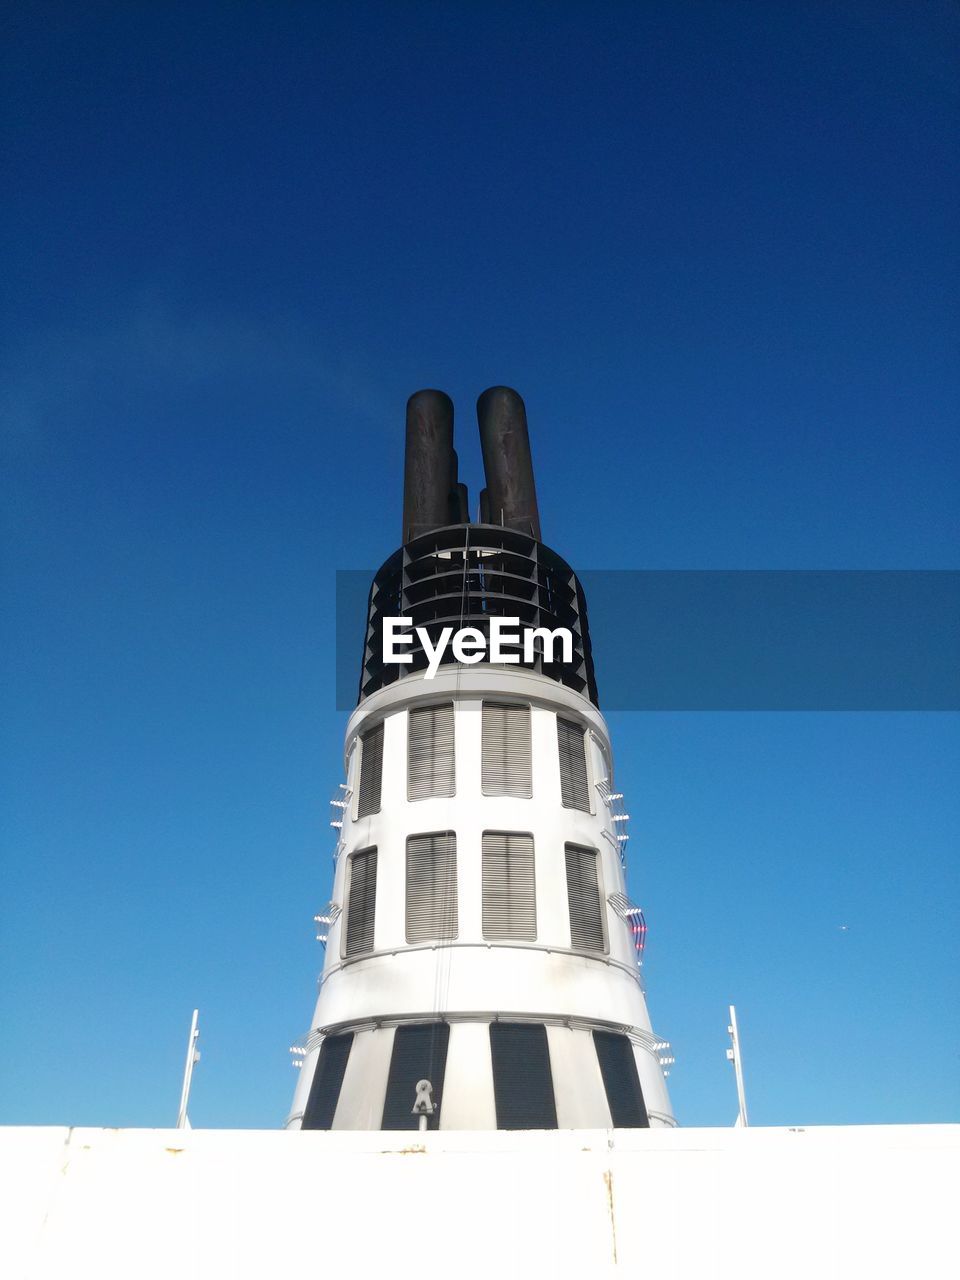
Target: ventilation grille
(509,888)
(327,1081)
(371,771)
(463,575)
(618,1067)
(430,752)
(431,886)
(573,765)
(522,1083)
(419,1053)
(362,902)
(507,768)
(583,897)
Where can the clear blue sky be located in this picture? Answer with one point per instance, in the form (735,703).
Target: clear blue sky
(713,245)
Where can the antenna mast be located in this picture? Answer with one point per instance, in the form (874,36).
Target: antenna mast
(733,1055)
(193,1057)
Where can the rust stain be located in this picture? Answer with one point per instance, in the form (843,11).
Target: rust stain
(608,1179)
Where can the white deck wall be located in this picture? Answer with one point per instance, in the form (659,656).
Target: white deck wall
(871,1202)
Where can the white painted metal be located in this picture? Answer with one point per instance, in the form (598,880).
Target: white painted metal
(733,1054)
(835,1203)
(193,1057)
(423,1104)
(466,978)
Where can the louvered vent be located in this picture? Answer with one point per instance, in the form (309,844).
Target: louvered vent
(522,1083)
(327,1080)
(371,771)
(506,768)
(509,890)
(361,902)
(430,753)
(583,898)
(419,1053)
(431,886)
(573,765)
(621,1080)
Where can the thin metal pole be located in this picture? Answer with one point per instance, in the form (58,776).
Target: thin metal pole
(192,1056)
(734,1056)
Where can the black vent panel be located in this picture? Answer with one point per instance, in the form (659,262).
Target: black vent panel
(522,1081)
(419,1053)
(327,1082)
(461,576)
(621,1080)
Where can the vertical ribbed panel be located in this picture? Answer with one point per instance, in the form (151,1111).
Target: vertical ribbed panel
(507,768)
(522,1082)
(621,1080)
(431,886)
(361,902)
(430,752)
(327,1079)
(472,575)
(509,889)
(583,898)
(419,1053)
(371,771)
(574,791)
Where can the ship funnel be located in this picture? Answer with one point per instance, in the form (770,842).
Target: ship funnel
(430,464)
(479,830)
(511,496)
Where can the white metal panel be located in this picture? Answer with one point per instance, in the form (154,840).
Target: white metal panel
(483,976)
(577,1082)
(653,1085)
(468,1101)
(364,1085)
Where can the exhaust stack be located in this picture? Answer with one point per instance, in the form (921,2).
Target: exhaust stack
(511,495)
(430,464)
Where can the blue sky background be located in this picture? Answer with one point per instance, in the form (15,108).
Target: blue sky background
(715,248)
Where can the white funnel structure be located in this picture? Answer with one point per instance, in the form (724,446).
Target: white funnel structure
(479,937)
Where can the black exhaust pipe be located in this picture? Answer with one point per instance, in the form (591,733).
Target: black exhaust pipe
(429,465)
(511,495)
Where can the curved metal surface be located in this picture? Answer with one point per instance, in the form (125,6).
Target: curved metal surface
(462,576)
(430,463)
(511,498)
